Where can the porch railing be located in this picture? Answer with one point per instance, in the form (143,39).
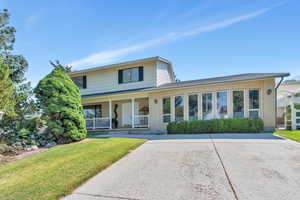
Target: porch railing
(297,118)
(141,121)
(99,122)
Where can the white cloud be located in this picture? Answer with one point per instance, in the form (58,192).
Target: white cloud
(108,56)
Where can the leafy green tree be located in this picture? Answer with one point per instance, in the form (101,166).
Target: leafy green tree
(59,99)
(7,102)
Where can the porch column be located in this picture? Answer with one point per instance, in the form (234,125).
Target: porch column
(293,116)
(132,112)
(110,115)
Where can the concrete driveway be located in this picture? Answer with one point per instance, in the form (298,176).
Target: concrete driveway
(200,167)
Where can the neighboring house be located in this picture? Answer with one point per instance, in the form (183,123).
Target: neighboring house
(288,106)
(143,94)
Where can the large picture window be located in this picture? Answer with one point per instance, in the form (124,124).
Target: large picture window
(238,104)
(221,105)
(207,112)
(179,110)
(166,106)
(193,107)
(254,103)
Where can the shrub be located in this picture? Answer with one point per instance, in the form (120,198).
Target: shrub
(60,101)
(232,125)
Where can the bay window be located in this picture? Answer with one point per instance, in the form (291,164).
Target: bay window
(207,112)
(193,107)
(179,108)
(166,106)
(238,104)
(254,103)
(221,105)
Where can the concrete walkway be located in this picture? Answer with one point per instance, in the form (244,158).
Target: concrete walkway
(200,167)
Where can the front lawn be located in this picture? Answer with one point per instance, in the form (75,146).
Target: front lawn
(293,135)
(58,171)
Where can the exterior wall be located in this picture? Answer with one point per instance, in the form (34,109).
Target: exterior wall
(267,102)
(163,74)
(106,80)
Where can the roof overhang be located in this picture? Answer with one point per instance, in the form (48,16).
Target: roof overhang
(123,64)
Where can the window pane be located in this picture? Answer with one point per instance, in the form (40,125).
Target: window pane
(207,106)
(178,108)
(298,114)
(89,111)
(78,81)
(126,75)
(166,118)
(98,111)
(193,107)
(253,99)
(254,113)
(134,74)
(238,104)
(167,105)
(221,104)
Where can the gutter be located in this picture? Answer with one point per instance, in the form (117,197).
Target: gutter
(277,86)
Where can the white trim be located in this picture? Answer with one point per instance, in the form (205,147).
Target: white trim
(110,114)
(132,113)
(227,103)
(162,107)
(259,101)
(180,95)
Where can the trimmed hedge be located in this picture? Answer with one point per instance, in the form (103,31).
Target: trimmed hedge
(231,125)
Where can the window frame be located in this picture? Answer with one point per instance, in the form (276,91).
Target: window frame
(139,72)
(259,102)
(167,114)
(188,105)
(244,102)
(212,105)
(227,103)
(83,79)
(183,106)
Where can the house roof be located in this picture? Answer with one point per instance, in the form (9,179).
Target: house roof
(115,92)
(156,58)
(222,79)
(208,81)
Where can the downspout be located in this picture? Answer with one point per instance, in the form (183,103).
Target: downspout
(276,99)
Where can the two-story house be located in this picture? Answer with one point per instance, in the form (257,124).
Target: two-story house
(143,94)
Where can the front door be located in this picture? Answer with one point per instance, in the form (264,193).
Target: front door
(126,115)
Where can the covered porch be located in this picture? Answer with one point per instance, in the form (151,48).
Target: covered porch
(118,114)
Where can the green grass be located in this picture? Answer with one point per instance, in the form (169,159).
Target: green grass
(293,135)
(58,171)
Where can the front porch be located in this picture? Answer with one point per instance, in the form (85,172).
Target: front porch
(118,114)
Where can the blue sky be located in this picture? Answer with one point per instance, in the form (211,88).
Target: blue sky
(203,38)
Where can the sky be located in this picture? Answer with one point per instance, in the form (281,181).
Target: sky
(202,38)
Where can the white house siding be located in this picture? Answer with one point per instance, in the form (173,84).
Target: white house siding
(163,73)
(106,80)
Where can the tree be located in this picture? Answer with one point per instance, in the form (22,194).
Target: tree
(59,99)
(23,95)
(7,102)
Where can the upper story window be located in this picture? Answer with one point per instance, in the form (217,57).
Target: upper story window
(80,81)
(131,75)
